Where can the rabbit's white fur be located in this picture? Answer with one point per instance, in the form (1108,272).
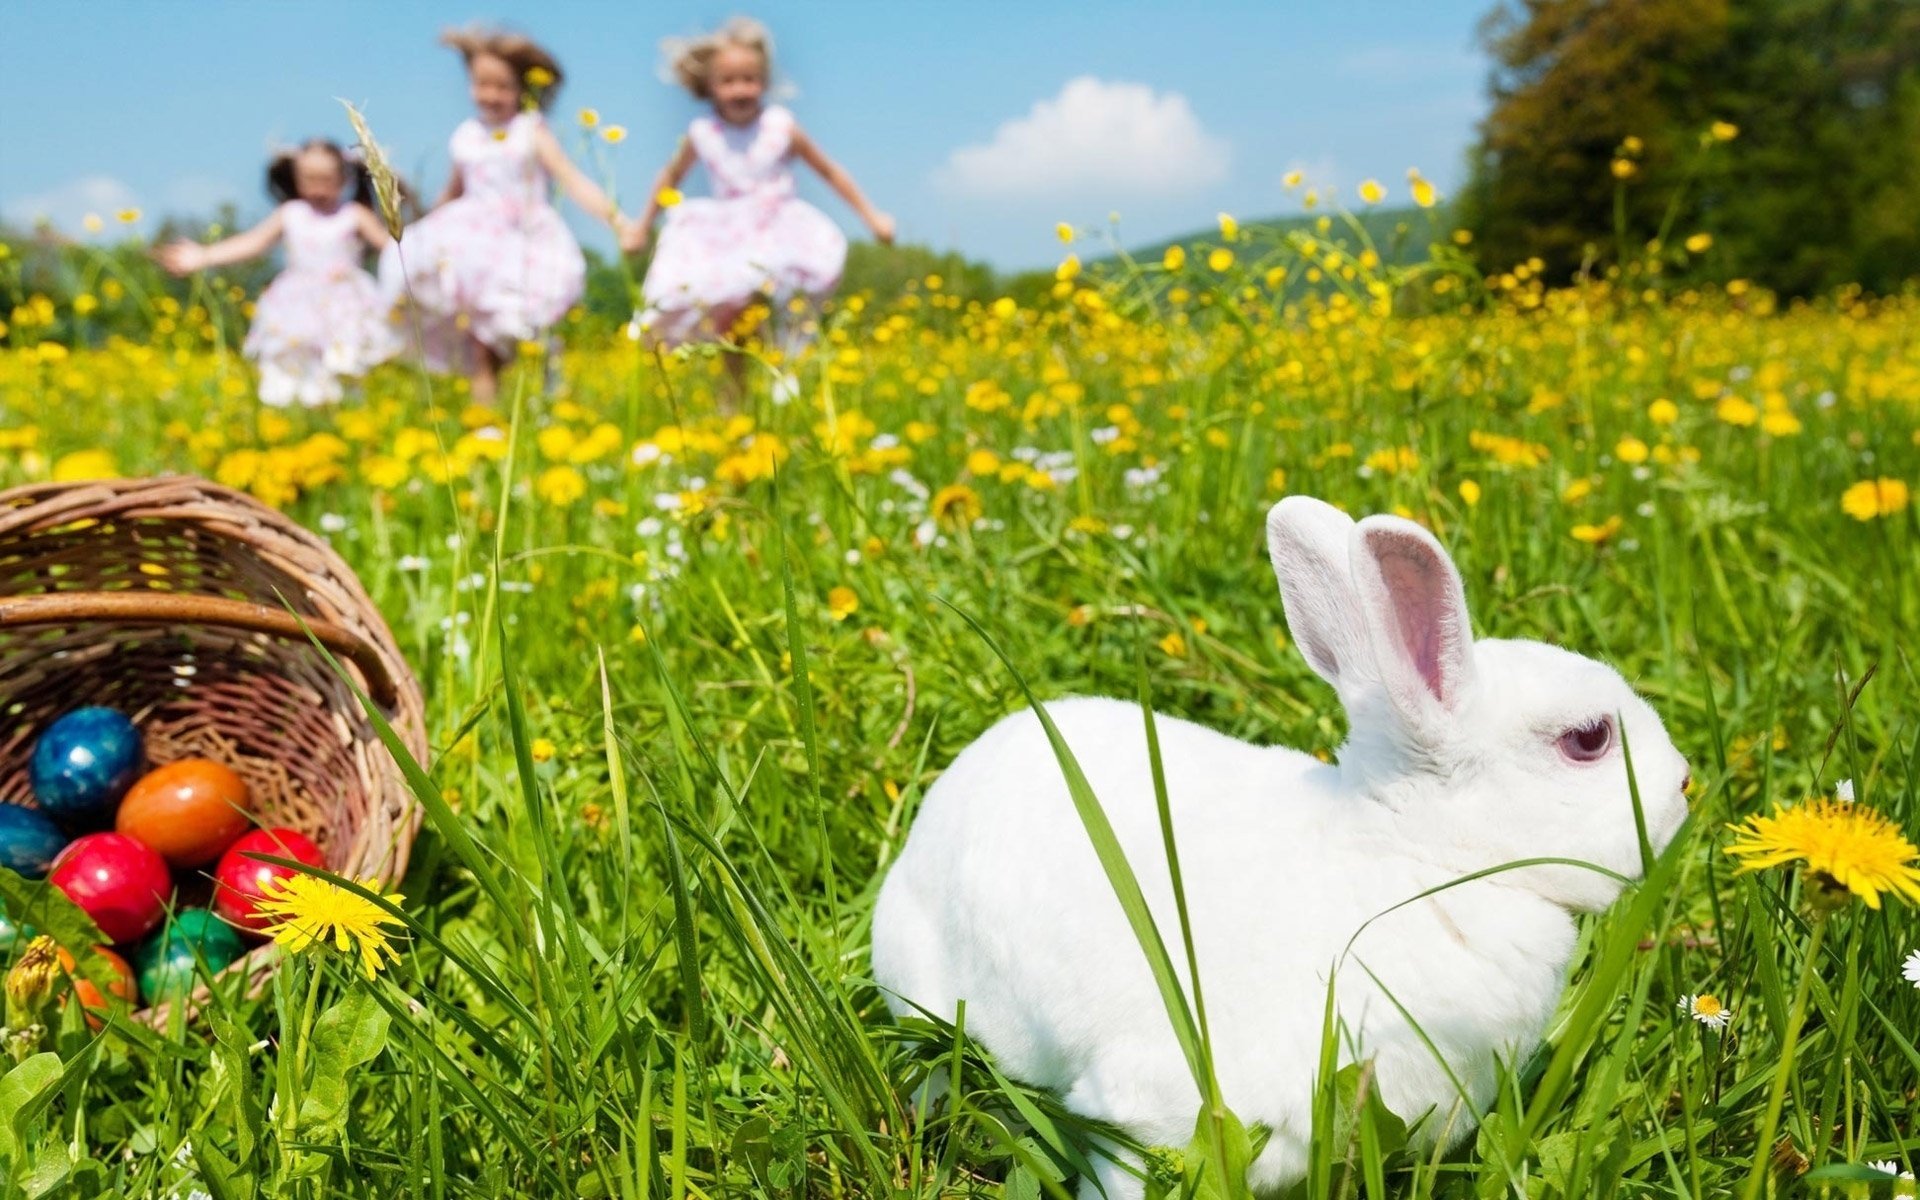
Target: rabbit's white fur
(1455,762)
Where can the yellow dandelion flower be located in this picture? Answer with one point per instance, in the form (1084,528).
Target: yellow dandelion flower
(1630,450)
(1872,498)
(1469,492)
(543,750)
(1229,228)
(1847,846)
(1068,269)
(1723,131)
(1174,645)
(1663,411)
(957,504)
(842,603)
(85,464)
(1594,535)
(128,216)
(1625,168)
(1371,191)
(1699,243)
(92,223)
(613,135)
(560,486)
(1064,232)
(538,77)
(314,911)
(1220,259)
(1175,258)
(667,197)
(1423,190)
(1736,411)
(589,117)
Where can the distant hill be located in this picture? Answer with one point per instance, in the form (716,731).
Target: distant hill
(1401,235)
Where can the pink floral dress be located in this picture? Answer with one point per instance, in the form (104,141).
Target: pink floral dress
(752,239)
(496,264)
(321,319)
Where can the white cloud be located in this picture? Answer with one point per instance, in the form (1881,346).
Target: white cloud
(1097,140)
(69,203)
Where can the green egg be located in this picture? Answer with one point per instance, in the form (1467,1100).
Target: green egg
(167,970)
(166,962)
(198,928)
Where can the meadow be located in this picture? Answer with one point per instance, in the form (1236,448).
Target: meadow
(691,671)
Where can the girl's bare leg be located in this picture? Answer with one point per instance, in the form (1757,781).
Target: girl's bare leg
(484,382)
(732,393)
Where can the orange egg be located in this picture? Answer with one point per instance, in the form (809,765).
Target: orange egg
(190,811)
(89,995)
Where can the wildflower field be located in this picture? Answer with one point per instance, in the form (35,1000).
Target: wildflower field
(690,672)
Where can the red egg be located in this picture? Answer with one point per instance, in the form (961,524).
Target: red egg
(239,880)
(119,882)
(190,811)
(89,995)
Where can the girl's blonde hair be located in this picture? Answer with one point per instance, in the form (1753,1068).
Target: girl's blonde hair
(537,70)
(690,60)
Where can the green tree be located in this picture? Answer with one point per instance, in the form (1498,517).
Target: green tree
(1816,190)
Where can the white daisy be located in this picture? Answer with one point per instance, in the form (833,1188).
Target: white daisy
(1911,968)
(1707,1009)
(1843,791)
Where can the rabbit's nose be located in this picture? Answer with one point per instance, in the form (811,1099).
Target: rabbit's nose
(1686,782)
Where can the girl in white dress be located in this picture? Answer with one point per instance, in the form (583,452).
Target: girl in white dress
(493,265)
(322,319)
(753,240)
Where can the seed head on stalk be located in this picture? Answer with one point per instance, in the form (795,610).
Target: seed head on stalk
(386,185)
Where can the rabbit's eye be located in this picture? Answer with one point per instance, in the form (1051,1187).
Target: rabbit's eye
(1585,743)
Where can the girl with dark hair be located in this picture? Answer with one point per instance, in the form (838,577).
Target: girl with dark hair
(322,319)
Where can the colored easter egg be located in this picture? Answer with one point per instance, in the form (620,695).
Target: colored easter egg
(169,961)
(29,840)
(168,969)
(83,763)
(239,880)
(13,935)
(190,811)
(119,882)
(122,987)
(201,929)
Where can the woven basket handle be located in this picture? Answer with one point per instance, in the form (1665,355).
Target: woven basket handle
(165,608)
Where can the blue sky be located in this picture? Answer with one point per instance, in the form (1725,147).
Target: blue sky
(978,125)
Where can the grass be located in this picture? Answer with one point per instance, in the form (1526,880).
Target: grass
(690,675)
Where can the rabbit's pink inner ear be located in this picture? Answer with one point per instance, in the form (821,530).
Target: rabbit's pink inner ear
(1425,618)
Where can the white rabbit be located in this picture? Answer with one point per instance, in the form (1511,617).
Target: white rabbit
(1461,755)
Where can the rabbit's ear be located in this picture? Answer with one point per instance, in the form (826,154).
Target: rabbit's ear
(1416,614)
(1308,542)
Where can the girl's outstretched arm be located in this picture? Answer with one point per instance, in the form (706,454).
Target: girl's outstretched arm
(184,257)
(843,185)
(635,238)
(573,181)
(372,230)
(451,192)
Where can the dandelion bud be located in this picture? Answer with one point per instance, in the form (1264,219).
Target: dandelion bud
(30,983)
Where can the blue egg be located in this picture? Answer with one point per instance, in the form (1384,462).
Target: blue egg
(28,840)
(82,765)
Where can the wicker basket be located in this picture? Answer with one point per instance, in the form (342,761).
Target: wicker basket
(169,599)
